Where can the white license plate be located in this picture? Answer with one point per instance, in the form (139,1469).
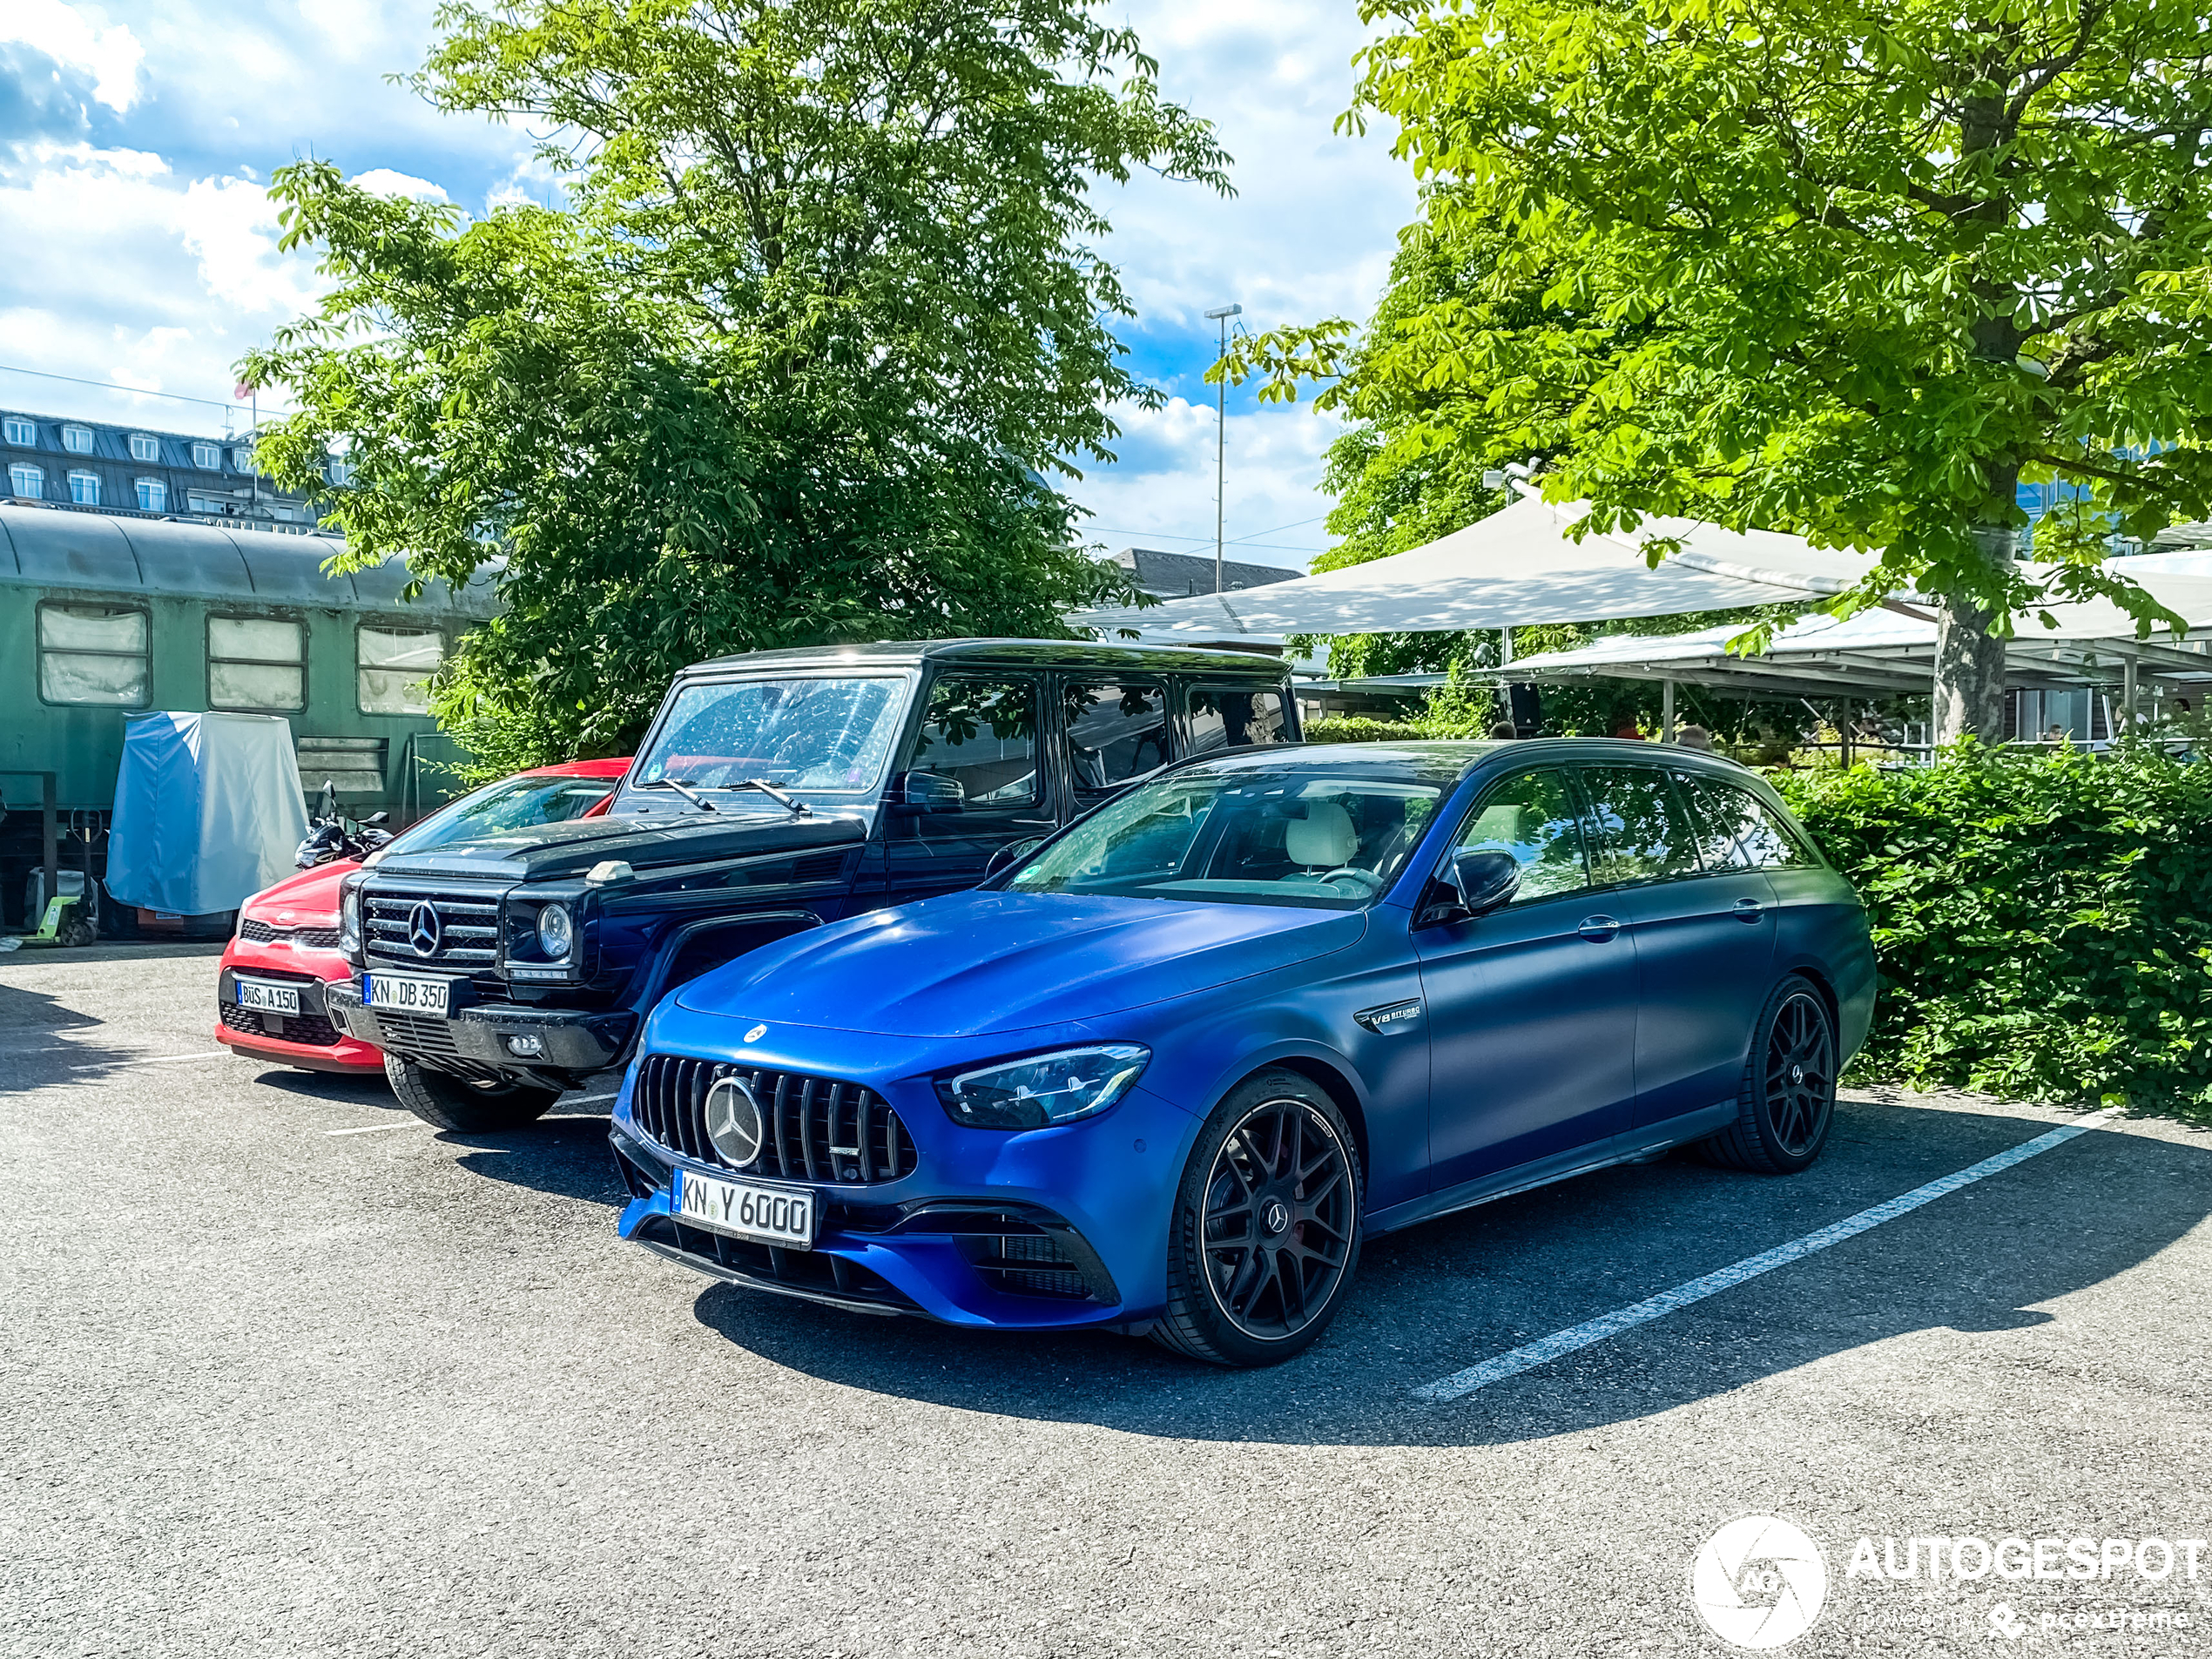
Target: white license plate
(405,993)
(260,994)
(779,1216)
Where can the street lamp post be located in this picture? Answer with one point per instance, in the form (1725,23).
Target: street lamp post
(1221,441)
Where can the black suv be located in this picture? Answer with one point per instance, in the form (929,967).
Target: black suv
(775,792)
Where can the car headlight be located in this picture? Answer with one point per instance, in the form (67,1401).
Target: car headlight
(1043,1089)
(556,932)
(349,920)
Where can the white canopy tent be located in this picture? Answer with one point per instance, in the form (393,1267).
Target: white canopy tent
(1516,567)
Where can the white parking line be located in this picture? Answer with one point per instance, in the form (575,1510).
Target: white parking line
(374,1128)
(156,1060)
(1611,1325)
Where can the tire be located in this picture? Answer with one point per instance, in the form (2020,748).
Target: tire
(1788,1100)
(462,1104)
(1232,1304)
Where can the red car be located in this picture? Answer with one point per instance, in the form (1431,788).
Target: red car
(269,996)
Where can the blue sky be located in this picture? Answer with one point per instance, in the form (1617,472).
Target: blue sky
(138,248)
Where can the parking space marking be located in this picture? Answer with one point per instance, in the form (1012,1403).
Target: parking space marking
(154,1060)
(375,1129)
(1465,1382)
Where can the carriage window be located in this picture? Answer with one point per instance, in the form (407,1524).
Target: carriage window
(1221,717)
(1641,832)
(1114,733)
(394,667)
(93,654)
(1736,829)
(256,662)
(28,482)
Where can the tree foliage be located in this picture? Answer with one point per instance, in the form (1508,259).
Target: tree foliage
(1850,268)
(800,363)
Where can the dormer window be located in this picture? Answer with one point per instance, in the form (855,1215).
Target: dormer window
(242,458)
(338,472)
(78,440)
(17,430)
(208,457)
(145,447)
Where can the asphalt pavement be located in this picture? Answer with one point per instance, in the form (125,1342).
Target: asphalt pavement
(284,1371)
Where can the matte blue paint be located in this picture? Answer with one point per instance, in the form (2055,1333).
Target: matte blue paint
(1538,1049)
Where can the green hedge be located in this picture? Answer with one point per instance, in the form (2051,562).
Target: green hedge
(1359,728)
(2042,921)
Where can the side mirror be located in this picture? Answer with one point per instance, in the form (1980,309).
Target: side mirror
(1474,884)
(326,806)
(1012,853)
(928,792)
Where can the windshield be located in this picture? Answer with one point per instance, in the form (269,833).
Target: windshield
(1326,837)
(512,803)
(830,734)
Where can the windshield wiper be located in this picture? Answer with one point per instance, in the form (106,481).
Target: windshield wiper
(684,789)
(790,802)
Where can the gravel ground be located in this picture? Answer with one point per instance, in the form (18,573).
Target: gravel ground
(270,1387)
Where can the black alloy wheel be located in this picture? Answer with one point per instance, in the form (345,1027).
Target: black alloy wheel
(1266,1232)
(1788,1098)
(465,1105)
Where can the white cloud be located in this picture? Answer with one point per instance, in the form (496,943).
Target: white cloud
(74,36)
(383,181)
(1162,493)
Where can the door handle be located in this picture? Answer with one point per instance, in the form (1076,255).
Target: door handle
(1747,910)
(1598,929)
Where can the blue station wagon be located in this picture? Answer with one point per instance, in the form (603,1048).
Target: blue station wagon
(1164,1074)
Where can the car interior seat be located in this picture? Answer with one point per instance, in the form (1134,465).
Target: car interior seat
(1324,840)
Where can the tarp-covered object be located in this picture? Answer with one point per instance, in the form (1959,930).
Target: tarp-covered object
(207,811)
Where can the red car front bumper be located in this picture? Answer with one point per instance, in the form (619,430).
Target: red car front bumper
(310,1039)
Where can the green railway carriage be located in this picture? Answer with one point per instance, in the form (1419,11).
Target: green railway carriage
(103,616)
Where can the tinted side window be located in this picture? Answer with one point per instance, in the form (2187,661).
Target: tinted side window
(982,735)
(1737,828)
(1234,716)
(1114,733)
(1532,818)
(1641,830)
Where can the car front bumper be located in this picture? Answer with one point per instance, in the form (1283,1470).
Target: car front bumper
(312,1039)
(1063,1228)
(476,1035)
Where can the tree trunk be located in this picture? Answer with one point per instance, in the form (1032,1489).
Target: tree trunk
(1970,660)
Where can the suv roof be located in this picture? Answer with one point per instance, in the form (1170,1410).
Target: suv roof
(1008,653)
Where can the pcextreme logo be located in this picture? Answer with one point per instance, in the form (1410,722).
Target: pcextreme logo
(1758,1582)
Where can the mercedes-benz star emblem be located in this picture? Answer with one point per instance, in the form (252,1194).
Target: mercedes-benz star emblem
(1274,1215)
(733,1122)
(424,930)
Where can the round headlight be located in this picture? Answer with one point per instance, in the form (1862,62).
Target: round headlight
(556,932)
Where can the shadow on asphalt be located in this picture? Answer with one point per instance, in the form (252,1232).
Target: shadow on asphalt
(565,1154)
(33,1052)
(337,1088)
(1459,1291)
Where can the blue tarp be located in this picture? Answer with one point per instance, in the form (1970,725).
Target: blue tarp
(207,811)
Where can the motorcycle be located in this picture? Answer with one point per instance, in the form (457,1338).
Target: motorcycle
(332,836)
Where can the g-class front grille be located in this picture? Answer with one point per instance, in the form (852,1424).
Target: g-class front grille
(815,1129)
(459,925)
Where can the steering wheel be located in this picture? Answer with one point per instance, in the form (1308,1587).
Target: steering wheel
(1366,880)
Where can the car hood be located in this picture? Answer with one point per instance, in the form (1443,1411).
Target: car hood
(975,962)
(553,851)
(311,894)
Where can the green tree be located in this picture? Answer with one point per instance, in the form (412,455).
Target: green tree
(1852,268)
(800,363)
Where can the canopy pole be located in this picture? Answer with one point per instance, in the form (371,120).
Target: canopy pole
(1505,645)
(2127,680)
(1666,711)
(1843,734)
